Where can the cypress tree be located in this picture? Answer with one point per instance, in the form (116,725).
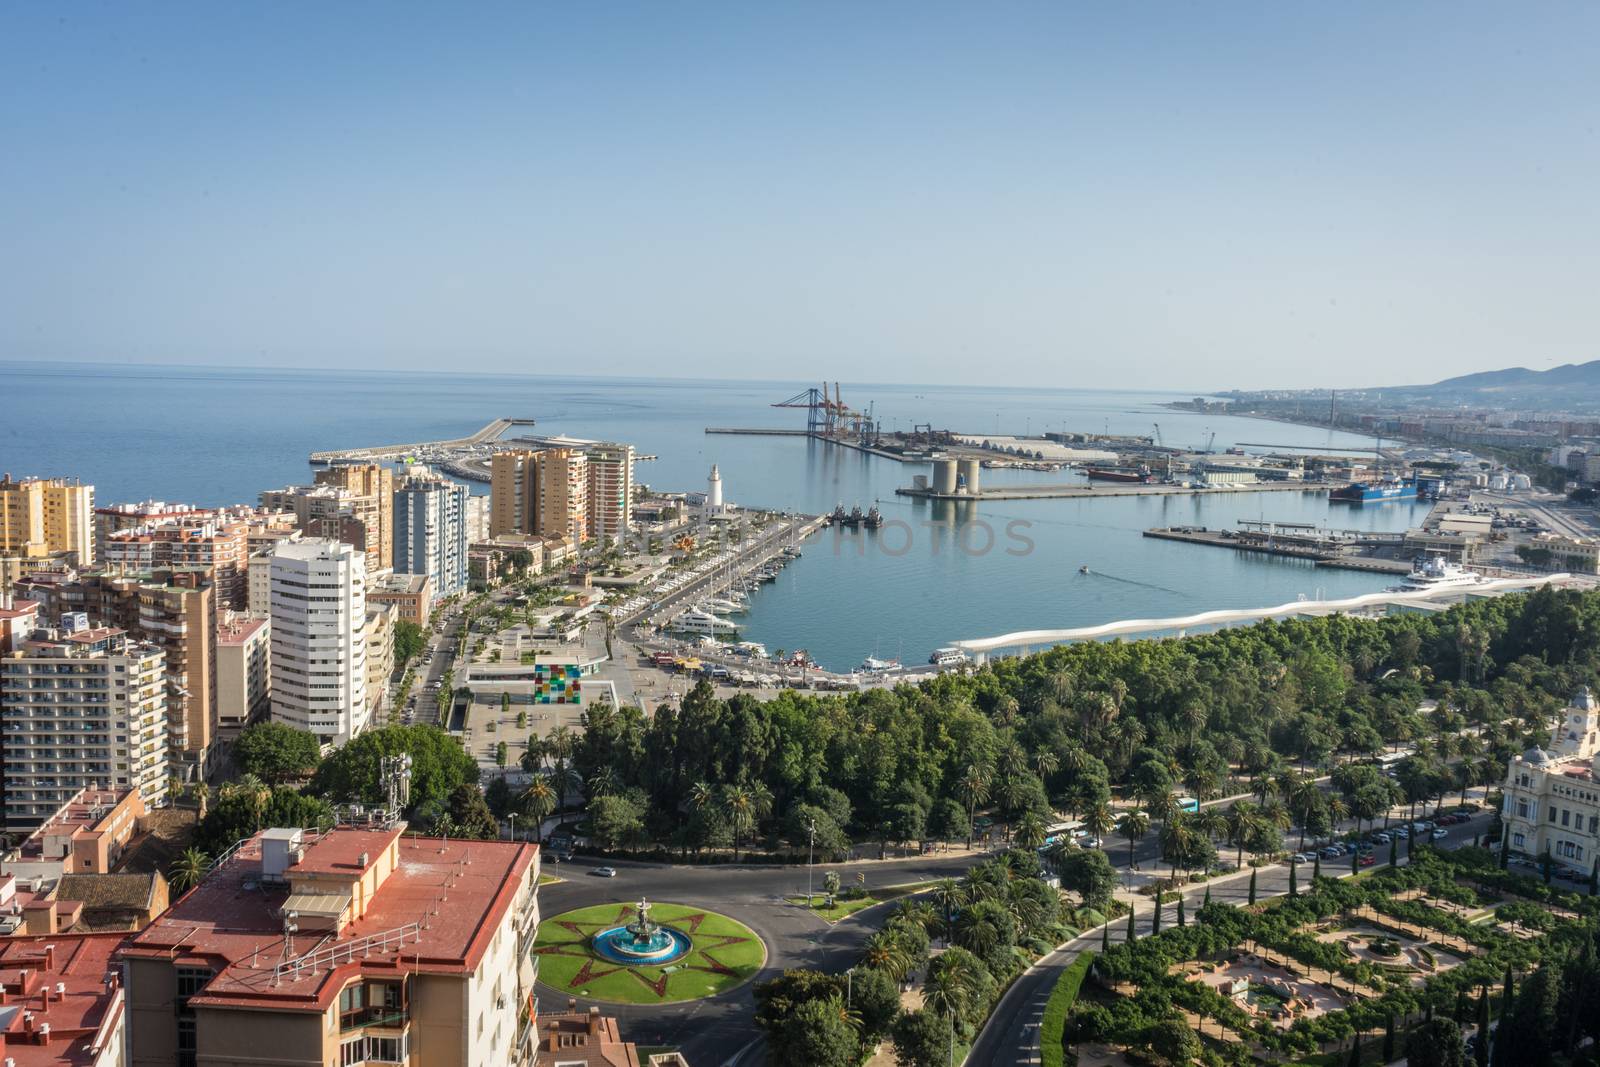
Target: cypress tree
(1394,853)
(1594,878)
(1388,1039)
(1505,848)
(1545,865)
(1155,920)
(1294,880)
(1355,1052)
(1105,937)
(1461,1005)
(1427,1011)
(1252,886)
(1509,994)
(1133,933)
(1316,868)
(1180,911)
(1355,861)
(1206,901)
(1480,1055)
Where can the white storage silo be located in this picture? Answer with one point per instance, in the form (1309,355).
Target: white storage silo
(969,472)
(944,476)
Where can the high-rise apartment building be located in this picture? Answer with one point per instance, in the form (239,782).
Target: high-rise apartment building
(373,486)
(244,672)
(319,639)
(77,708)
(110,518)
(217,546)
(41,518)
(544,492)
(339,513)
(477,518)
(610,491)
(430,530)
(358,946)
(173,608)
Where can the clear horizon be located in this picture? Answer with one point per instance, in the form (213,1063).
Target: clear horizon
(1246,197)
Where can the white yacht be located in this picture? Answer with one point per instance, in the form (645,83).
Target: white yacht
(1436,572)
(722,606)
(695,621)
(874,665)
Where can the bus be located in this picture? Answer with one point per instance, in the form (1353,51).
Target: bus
(1188,804)
(1072,830)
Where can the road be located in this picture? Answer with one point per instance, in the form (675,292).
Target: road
(1011,1035)
(721,1030)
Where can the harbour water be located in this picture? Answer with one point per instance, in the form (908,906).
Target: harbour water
(935,573)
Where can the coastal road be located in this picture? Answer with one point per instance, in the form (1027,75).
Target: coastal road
(1011,1035)
(721,1030)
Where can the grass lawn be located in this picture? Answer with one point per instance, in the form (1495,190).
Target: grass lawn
(723,954)
(549,879)
(843,909)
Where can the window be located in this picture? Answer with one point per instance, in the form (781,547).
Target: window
(353,1051)
(1565,813)
(1518,840)
(1522,808)
(386,1049)
(1552,813)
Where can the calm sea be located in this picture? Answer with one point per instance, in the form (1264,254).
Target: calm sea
(214,436)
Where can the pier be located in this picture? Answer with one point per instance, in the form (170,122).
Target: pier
(759,431)
(1080,490)
(1324,551)
(488,434)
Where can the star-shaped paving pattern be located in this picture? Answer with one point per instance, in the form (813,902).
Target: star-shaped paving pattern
(699,957)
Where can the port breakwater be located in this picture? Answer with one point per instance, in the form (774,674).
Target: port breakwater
(491,432)
(1079,490)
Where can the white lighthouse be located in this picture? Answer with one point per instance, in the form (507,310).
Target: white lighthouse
(714,492)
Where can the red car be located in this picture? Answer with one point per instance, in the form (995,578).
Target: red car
(1368,860)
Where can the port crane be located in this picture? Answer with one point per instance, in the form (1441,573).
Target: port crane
(827,415)
(1158,436)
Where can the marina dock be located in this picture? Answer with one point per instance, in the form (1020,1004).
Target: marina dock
(1079,490)
(491,432)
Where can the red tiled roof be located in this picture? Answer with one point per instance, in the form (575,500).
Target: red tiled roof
(89,1007)
(458,892)
(340,853)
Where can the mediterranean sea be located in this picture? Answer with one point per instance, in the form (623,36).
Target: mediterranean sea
(214,436)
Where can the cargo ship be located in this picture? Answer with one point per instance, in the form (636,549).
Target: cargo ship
(1120,474)
(1375,492)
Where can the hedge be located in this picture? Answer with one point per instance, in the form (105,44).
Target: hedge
(1052,1028)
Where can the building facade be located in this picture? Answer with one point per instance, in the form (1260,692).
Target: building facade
(410,594)
(541,492)
(358,946)
(319,638)
(1552,795)
(41,518)
(610,491)
(373,503)
(244,672)
(430,535)
(81,708)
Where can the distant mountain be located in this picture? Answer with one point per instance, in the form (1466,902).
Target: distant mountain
(1520,378)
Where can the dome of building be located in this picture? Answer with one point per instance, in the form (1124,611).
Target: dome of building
(1536,755)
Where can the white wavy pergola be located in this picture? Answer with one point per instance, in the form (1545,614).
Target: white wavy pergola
(1026,638)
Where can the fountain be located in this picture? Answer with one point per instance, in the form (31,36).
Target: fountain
(641,942)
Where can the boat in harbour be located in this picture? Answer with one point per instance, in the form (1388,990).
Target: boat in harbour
(1436,572)
(874,518)
(1142,474)
(873,665)
(722,606)
(695,621)
(1375,492)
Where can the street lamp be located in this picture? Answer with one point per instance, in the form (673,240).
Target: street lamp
(513,826)
(849,985)
(811,849)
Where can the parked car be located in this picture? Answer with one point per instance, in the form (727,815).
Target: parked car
(1302,857)
(1402,832)
(604,872)
(1381,838)
(1435,834)
(1368,860)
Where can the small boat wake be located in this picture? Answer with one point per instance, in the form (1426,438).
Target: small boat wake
(1084,570)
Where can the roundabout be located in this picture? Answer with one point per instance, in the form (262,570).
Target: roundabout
(645,953)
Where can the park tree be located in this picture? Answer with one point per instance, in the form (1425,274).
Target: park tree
(407,640)
(922,1039)
(1087,872)
(817,1034)
(438,765)
(276,752)
(1436,1043)
(875,999)
(470,816)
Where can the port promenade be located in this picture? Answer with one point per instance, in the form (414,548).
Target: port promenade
(489,433)
(1328,553)
(1178,626)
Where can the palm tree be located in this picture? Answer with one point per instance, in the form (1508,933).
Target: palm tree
(745,806)
(1099,820)
(885,952)
(188,870)
(1045,763)
(1133,825)
(533,757)
(538,800)
(1177,842)
(1211,822)
(945,993)
(1030,831)
(974,786)
(1244,822)
(1162,805)
(949,896)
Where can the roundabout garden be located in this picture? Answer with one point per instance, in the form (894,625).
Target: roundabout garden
(645,953)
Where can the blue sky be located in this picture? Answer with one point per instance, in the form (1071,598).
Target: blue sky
(1195,195)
